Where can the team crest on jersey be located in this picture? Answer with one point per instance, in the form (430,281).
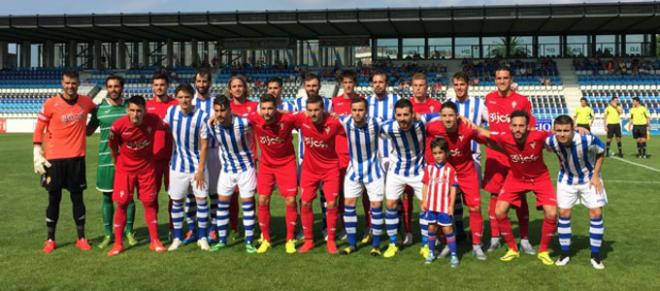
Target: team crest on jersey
(532,144)
(432,108)
(460,137)
(281,126)
(513,104)
(327,130)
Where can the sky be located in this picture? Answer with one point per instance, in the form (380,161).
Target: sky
(31,7)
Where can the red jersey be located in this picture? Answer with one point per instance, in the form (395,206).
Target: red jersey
(429,105)
(439,178)
(162,139)
(525,162)
(459,143)
(342,106)
(275,140)
(65,125)
(135,143)
(245,108)
(319,142)
(499,110)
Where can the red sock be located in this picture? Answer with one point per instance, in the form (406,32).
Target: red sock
(494,226)
(332,222)
(523,219)
(151,219)
(407,210)
(476,226)
(307,219)
(547,232)
(263,214)
(120,222)
(290,218)
(233,211)
(366,206)
(507,232)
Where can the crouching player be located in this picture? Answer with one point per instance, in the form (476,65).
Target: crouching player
(131,140)
(581,158)
(438,197)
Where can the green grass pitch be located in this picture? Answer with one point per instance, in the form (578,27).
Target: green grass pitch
(630,246)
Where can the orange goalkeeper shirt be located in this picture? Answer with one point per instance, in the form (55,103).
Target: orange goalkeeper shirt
(64,126)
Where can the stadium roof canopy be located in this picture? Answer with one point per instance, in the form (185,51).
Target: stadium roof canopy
(610,18)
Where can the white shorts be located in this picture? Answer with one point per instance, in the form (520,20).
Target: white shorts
(395,184)
(213,168)
(246,182)
(183,183)
(375,189)
(570,195)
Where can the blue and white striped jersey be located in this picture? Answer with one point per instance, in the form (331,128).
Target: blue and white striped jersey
(364,165)
(474,109)
(301,106)
(206,106)
(234,141)
(577,160)
(187,130)
(407,158)
(288,106)
(382,109)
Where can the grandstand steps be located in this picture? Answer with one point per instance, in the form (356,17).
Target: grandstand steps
(572,91)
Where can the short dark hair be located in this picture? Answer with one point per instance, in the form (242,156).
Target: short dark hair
(277,80)
(222,101)
(120,79)
(71,74)
(204,72)
(563,120)
(376,73)
(583,99)
(451,105)
(440,142)
(403,103)
(315,98)
(504,68)
(347,74)
(614,97)
(184,87)
(359,100)
(311,76)
(520,113)
(636,99)
(160,76)
(137,100)
(268,98)
(461,76)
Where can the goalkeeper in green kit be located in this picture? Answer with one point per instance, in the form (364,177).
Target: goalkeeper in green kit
(112,108)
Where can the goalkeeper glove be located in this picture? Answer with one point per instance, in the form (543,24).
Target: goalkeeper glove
(40,163)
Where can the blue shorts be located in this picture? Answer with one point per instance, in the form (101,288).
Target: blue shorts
(439,218)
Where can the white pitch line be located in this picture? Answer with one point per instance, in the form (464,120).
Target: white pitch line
(631,182)
(637,164)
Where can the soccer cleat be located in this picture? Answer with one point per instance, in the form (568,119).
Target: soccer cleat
(597,264)
(510,255)
(391,251)
(545,258)
(83,244)
(263,247)
(478,253)
(348,250)
(218,247)
(429,259)
(176,243)
(250,249)
(105,242)
(190,238)
(157,246)
(331,245)
(445,252)
(116,249)
(527,247)
(290,246)
(213,237)
(307,246)
(563,260)
(49,246)
(494,244)
(424,251)
(454,261)
(375,252)
(203,244)
(130,238)
(366,239)
(407,239)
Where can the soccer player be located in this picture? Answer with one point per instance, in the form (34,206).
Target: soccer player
(364,172)
(188,165)
(234,135)
(640,123)
(581,159)
(277,165)
(459,138)
(524,150)
(406,169)
(584,115)
(319,169)
(438,197)
(111,108)
(612,118)
(131,141)
(274,88)
(501,103)
(61,126)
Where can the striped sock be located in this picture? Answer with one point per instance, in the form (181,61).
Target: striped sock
(564,230)
(431,241)
(248,221)
(177,218)
(376,226)
(596,231)
(213,211)
(190,208)
(391,223)
(222,215)
(202,217)
(350,224)
(451,242)
(424,227)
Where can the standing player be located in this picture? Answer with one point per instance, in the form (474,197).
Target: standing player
(274,88)
(584,115)
(234,135)
(277,165)
(501,104)
(188,165)
(640,123)
(612,118)
(581,159)
(61,162)
(111,108)
(131,141)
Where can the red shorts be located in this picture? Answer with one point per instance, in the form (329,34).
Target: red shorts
(514,190)
(284,176)
(310,182)
(161,170)
(126,183)
(494,175)
(469,185)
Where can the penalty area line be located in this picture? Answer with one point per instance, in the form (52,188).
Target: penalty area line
(636,164)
